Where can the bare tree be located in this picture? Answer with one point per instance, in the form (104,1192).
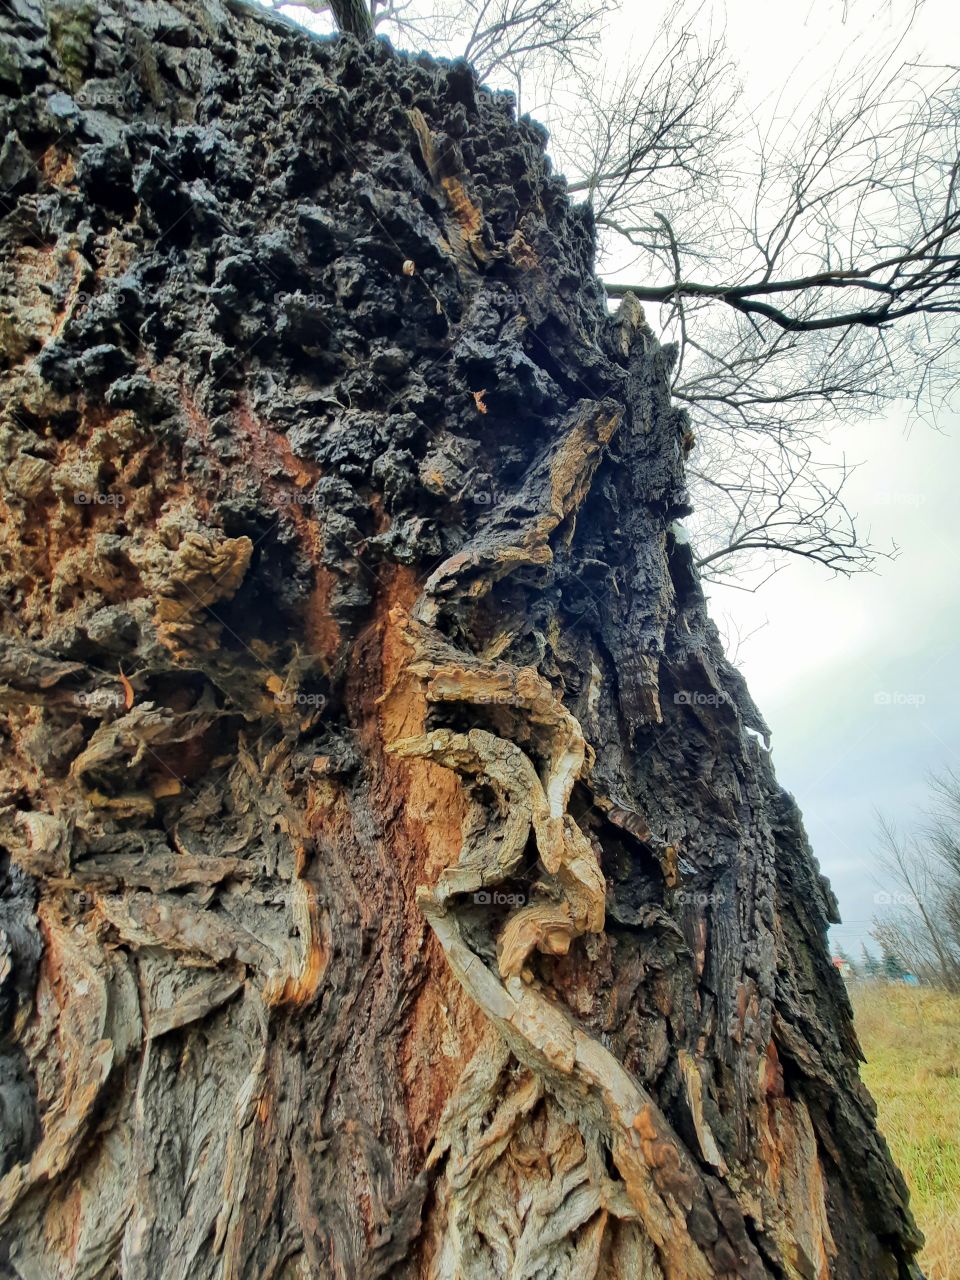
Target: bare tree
(509,40)
(807,268)
(354,17)
(805,260)
(924,870)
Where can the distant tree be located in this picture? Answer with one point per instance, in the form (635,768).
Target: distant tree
(871,965)
(924,930)
(892,966)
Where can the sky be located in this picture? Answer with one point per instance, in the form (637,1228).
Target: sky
(855,676)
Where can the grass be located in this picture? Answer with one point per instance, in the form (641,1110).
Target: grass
(911,1038)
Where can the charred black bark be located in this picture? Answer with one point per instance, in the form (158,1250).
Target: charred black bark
(396,882)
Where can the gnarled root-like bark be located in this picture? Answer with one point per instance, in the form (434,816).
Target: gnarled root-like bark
(659,1187)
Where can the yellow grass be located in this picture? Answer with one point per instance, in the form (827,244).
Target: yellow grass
(911,1038)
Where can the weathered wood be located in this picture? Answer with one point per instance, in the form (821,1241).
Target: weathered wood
(395,882)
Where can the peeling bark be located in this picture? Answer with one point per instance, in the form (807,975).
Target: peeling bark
(395,881)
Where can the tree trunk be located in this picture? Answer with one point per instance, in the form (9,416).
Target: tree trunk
(396,882)
(354,17)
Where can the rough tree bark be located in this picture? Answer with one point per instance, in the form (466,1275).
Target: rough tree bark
(396,883)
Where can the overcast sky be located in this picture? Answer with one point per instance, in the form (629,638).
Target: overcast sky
(857,678)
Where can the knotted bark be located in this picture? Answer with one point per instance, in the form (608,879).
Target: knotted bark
(396,880)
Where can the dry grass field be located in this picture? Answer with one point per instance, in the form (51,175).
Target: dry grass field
(911,1038)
